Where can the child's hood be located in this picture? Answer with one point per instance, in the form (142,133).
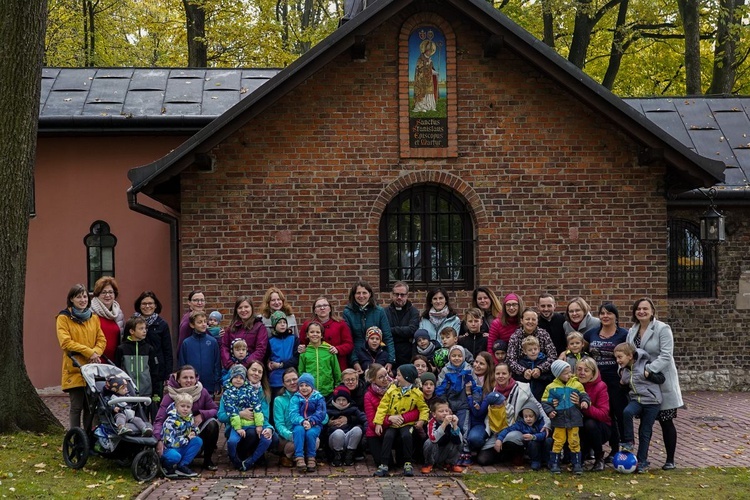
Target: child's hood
(530,405)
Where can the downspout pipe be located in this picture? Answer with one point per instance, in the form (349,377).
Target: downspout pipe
(174,260)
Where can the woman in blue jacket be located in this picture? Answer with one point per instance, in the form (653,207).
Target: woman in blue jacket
(361,313)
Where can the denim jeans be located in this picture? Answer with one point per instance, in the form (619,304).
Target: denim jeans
(648,415)
(305,441)
(184,454)
(477,437)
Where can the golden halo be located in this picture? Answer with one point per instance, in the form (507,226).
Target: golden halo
(428,48)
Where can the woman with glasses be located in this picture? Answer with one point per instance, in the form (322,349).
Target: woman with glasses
(111,318)
(335,331)
(196,301)
(160,340)
(578,317)
(508,322)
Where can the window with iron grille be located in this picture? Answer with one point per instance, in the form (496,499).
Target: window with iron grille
(692,264)
(100,252)
(427,239)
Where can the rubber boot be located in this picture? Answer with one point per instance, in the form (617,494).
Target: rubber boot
(554,463)
(575,460)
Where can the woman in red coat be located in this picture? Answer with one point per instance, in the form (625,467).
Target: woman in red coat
(597,424)
(111,318)
(335,331)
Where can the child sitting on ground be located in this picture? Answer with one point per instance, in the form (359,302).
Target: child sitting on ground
(399,398)
(561,401)
(307,412)
(575,351)
(180,437)
(239,395)
(534,437)
(645,399)
(125,419)
(445,442)
(532,359)
(345,427)
(373,350)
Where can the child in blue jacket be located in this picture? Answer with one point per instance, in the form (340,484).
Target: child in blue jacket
(531,425)
(307,412)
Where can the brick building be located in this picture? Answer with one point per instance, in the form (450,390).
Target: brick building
(521,174)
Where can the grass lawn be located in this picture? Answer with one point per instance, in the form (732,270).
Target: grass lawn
(710,483)
(31,466)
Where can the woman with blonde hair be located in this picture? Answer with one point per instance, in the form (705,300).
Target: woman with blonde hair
(273,301)
(597,425)
(578,317)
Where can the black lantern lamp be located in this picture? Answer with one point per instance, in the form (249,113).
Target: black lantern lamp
(712,222)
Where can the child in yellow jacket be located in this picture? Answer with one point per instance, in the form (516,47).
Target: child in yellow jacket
(400,398)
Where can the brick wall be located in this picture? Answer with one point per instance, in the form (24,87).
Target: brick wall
(559,200)
(712,345)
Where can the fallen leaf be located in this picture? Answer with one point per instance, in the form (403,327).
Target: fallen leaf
(535,497)
(633,481)
(517,481)
(40,465)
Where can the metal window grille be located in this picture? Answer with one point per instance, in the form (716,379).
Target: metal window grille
(427,240)
(100,252)
(693,267)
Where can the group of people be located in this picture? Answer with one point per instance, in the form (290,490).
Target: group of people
(502,383)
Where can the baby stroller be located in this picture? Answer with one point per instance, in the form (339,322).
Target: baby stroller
(136,451)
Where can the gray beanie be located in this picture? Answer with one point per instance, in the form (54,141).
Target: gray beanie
(238,371)
(558,367)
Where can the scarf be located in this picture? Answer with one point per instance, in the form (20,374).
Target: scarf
(437,317)
(101,310)
(340,407)
(379,391)
(427,351)
(150,320)
(194,391)
(80,315)
(575,325)
(505,391)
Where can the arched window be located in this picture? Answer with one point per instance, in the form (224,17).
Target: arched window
(100,252)
(692,264)
(427,239)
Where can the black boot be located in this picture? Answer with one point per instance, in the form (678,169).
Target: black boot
(349,457)
(598,462)
(575,460)
(336,462)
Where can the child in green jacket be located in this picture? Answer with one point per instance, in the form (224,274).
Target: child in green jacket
(318,361)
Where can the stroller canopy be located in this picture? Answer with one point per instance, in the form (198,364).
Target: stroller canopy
(93,371)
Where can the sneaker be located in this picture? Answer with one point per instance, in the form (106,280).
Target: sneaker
(185,471)
(642,467)
(669,466)
(454,468)
(121,431)
(464,459)
(311,464)
(627,447)
(209,465)
(147,432)
(408,469)
(337,459)
(349,457)
(536,465)
(598,466)
(169,472)
(382,471)
(426,469)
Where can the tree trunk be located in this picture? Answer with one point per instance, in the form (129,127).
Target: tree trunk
(22,25)
(690,19)
(618,47)
(549,29)
(728,29)
(91,56)
(195,18)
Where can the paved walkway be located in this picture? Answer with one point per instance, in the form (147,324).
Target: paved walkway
(714,430)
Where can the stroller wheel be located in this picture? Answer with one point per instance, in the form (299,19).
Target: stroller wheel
(145,465)
(75,448)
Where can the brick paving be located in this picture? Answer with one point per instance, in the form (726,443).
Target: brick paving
(714,430)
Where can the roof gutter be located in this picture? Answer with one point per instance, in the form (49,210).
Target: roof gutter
(119,125)
(174,259)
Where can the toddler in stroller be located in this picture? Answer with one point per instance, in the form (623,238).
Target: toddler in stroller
(126,420)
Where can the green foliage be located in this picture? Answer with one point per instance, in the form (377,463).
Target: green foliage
(31,466)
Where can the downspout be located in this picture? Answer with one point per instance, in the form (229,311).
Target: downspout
(174,260)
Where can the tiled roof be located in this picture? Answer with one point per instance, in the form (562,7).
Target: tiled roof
(132,97)
(713,127)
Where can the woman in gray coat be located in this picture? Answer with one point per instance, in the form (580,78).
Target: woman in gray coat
(655,337)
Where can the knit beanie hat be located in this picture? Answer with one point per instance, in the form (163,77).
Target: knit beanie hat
(374,330)
(216,315)
(558,367)
(237,371)
(307,378)
(342,392)
(421,333)
(500,345)
(409,372)
(114,383)
(276,317)
(427,376)
(509,297)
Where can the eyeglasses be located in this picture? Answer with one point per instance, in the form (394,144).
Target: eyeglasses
(399,294)
(322,306)
(511,304)
(148,304)
(107,292)
(381,377)
(198,301)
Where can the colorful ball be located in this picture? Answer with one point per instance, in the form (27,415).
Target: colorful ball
(625,462)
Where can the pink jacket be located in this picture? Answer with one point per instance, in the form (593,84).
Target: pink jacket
(599,409)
